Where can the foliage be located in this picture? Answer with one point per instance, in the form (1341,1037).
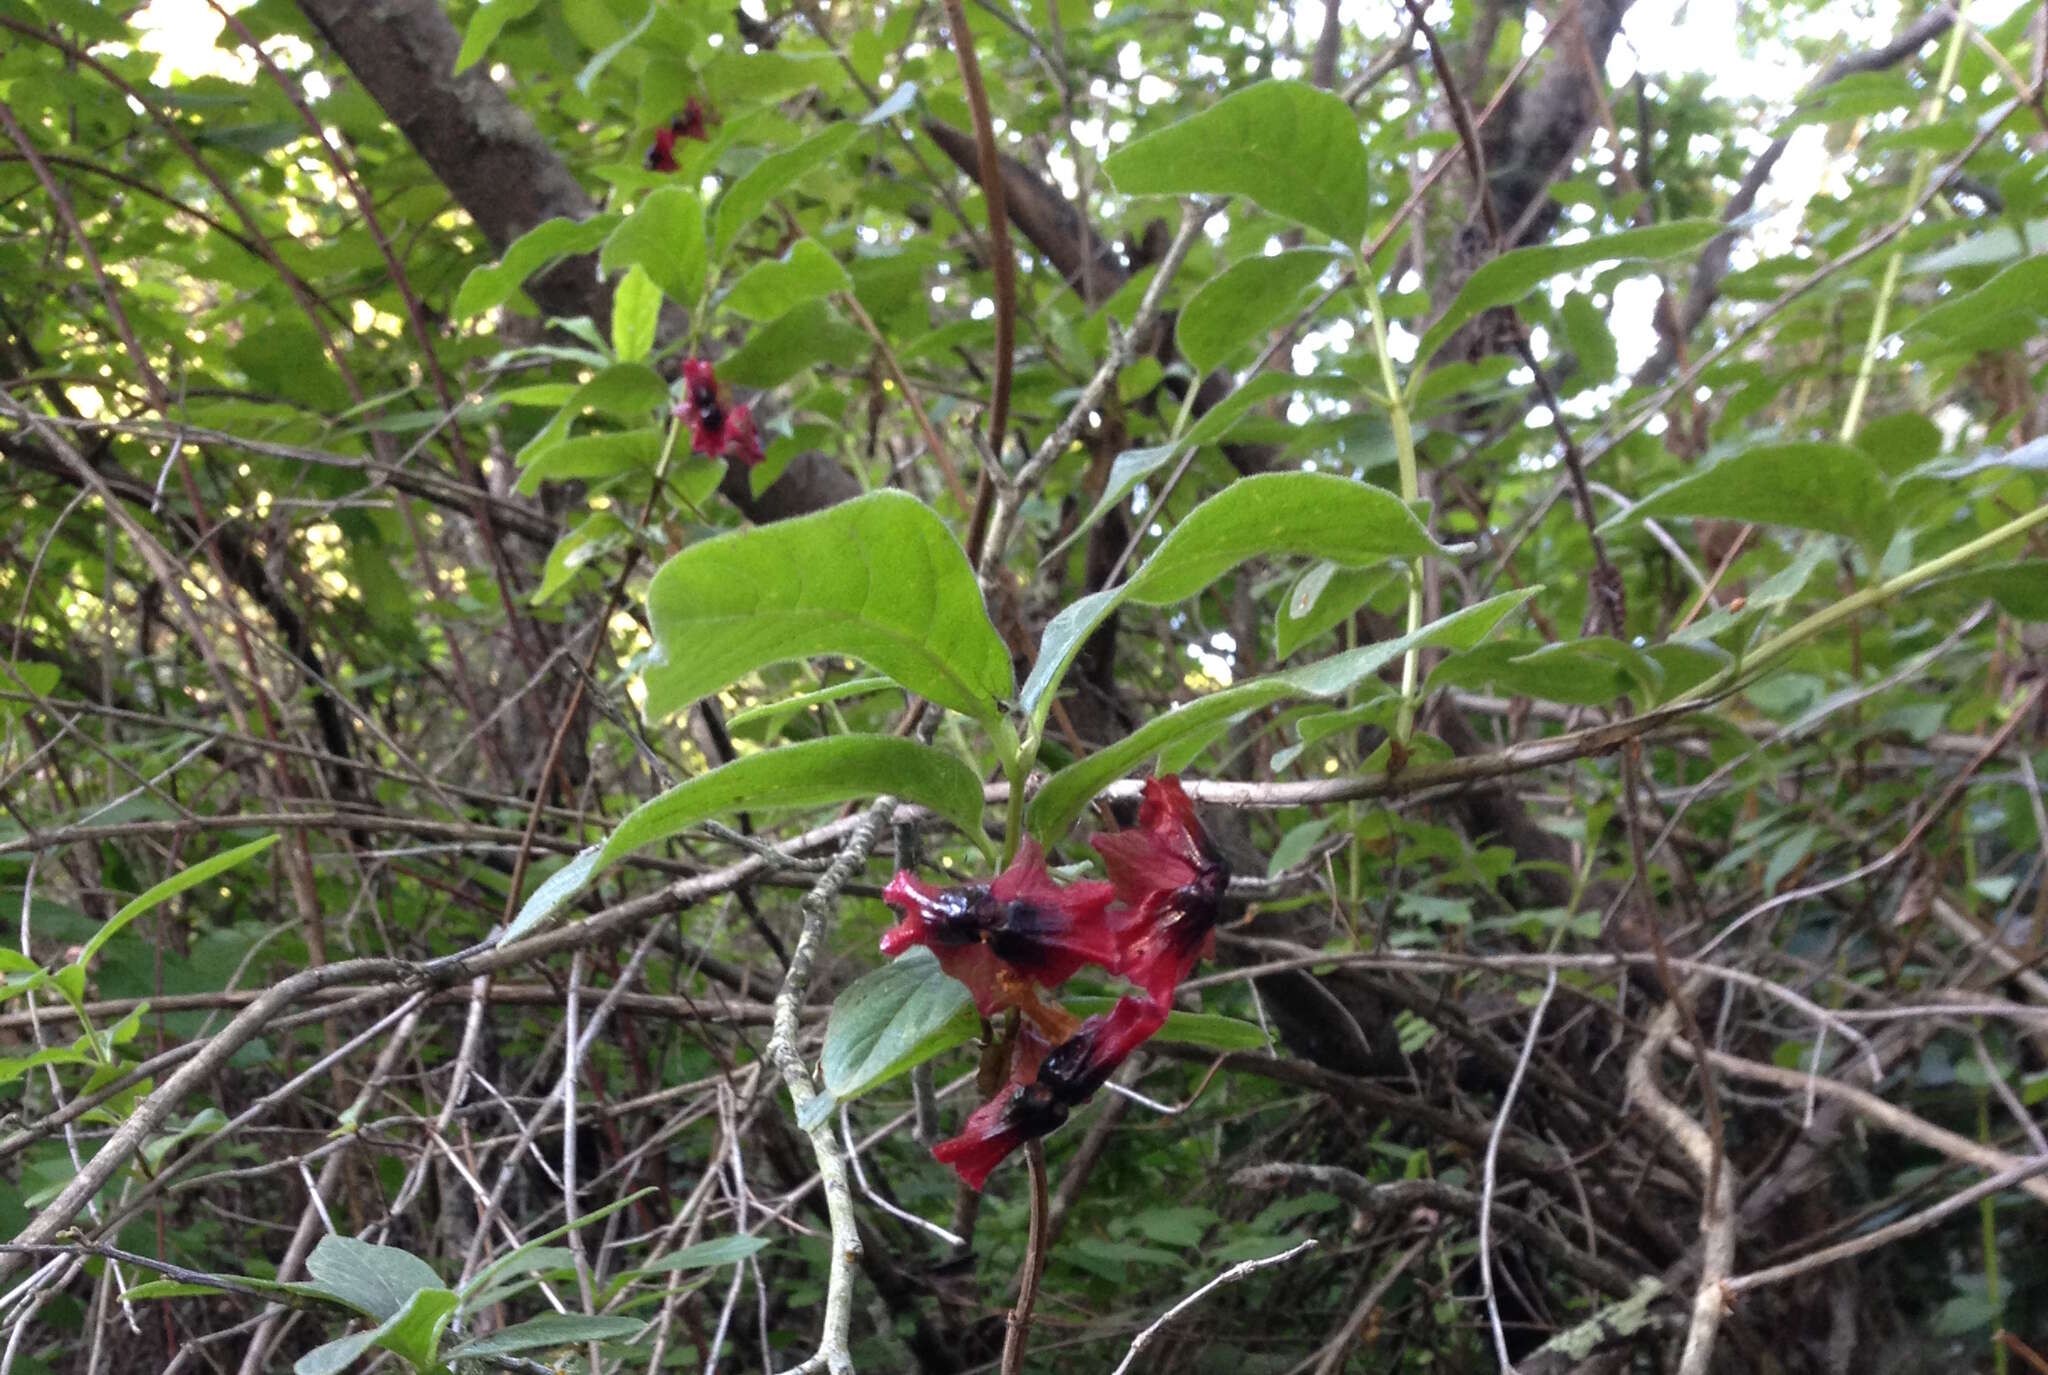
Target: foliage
(1557,557)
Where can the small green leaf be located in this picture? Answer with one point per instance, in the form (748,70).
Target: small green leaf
(769,289)
(880,579)
(1586,673)
(893,1019)
(1064,635)
(807,774)
(1244,301)
(596,535)
(1813,486)
(413,1333)
(1516,273)
(485,25)
(170,888)
(706,1255)
(664,235)
(1289,147)
(550,1330)
(2020,588)
(494,284)
(636,307)
(774,174)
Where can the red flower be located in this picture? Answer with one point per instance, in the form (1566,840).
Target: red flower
(1169,888)
(1045,1085)
(689,124)
(717,429)
(1002,937)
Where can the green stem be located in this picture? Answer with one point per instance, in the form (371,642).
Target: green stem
(1988,1220)
(1880,316)
(1793,636)
(1411,491)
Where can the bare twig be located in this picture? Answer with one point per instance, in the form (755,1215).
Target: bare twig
(1230,1276)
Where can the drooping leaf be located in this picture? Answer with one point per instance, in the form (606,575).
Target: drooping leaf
(880,579)
(1289,147)
(1209,1030)
(806,774)
(1810,486)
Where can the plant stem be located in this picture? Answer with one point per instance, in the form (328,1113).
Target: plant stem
(1793,636)
(1034,1263)
(1411,491)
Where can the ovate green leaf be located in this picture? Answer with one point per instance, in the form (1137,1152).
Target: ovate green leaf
(880,579)
(1286,145)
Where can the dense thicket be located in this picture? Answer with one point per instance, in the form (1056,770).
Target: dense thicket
(521,517)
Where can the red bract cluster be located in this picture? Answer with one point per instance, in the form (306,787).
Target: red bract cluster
(1024,931)
(718,429)
(691,123)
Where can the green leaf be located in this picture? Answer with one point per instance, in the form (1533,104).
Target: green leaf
(1811,486)
(1322,597)
(550,1330)
(778,710)
(706,1255)
(1587,673)
(1992,247)
(598,534)
(376,1281)
(1067,793)
(771,176)
(893,1019)
(880,579)
(2020,588)
(664,235)
(781,349)
(1516,273)
(1317,514)
(413,1333)
(485,25)
(490,286)
(1131,467)
(1286,145)
(807,774)
(1210,1030)
(590,456)
(636,307)
(170,888)
(769,289)
(533,1252)
(1064,635)
(173,1289)
(604,58)
(1244,301)
(2004,312)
